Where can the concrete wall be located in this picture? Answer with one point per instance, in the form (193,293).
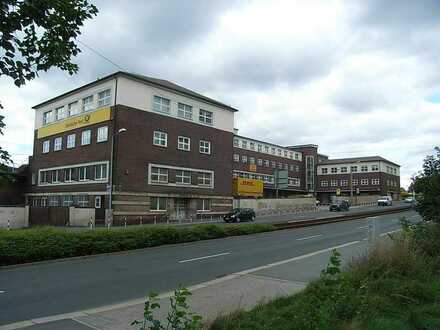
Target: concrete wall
(287,204)
(80,217)
(18,217)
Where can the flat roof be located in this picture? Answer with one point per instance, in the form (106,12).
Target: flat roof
(145,79)
(259,141)
(356,159)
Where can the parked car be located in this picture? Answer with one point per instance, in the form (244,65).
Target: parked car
(385,201)
(339,205)
(239,215)
(409,200)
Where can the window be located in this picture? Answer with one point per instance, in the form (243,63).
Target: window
(43,201)
(203,204)
(334,183)
(291,167)
(47,117)
(159,174)
(158,204)
(82,173)
(285,153)
(274,164)
(205,147)
(286,167)
(244,144)
(53,200)
(296,156)
(334,170)
(324,183)
(85,137)
(344,183)
(87,103)
(160,139)
(184,111)
(67,200)
(280,166)
(364,168)
(34,179)
(68,175)
(355,182)
(290,154)
(161,104)
(97,202)
(72,109)
(252,160)
(364,182)
(205,117)
(252,145)
(236,158)
(104,98)
(204,179)
(344,169)
(70,141)
(279,152)
(272,150)
(183,143)
(56,176)
(101,172)
(183,177)
(60,113)
(260,148)
(46,146)
(83,200)
(58,144)
(324,170)
(43,177)
(375,168)
(266,149)
(102,134)
(375,182)
(244,159)
(297,168)
(236,143)
(260,162)
(266,163)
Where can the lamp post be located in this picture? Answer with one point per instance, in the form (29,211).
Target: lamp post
(351,181)
(121,130)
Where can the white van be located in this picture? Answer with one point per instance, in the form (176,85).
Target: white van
(385,201)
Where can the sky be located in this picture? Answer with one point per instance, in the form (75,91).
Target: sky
(357,78)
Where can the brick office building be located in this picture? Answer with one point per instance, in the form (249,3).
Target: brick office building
(146,146)
(362,175)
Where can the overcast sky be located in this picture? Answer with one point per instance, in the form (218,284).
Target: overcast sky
(357,78)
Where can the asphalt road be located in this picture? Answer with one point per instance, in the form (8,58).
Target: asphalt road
(53,288)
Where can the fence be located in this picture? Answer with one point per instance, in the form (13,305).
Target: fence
(14,217)
(165,219)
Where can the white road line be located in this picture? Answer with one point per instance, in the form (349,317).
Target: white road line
(372,217)
(308,237)
(1,291)
(205,257)
(390,232)
(363,227)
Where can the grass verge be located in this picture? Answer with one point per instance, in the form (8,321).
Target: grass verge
(37,244)
(395,287)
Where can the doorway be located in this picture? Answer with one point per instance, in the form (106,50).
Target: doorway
(181,208)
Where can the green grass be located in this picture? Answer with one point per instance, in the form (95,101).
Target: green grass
(37,244)
(396,287)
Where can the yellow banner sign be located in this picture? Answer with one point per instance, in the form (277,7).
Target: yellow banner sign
(247,187)
(75,122)
(253,168)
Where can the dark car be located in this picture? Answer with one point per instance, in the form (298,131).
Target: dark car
(339,206)
(239,215)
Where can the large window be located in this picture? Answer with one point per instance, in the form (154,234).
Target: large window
(354,169)
(68,175)
(344,183)
(102,134)
(67,200)
(161,104)
(87,103)
(183,177)
(83,200)
(244,159)
(101,172)
(184,111)
(375,168)
(204,179)
(60,113)
(324,170)
(86,137)
(324,183)
(334,170)
(56,176)
(54,200)
(158,204)
(183,143)
(104,98)
(70,141)
(82,173)
(364,182)
(205,117)
(203,204)
(355,182)
(375,182)
(47,117)
(159,174)
(344,169)
(160,139)
(205,147)
(334,183)
(236,158)
(73,109)
(46,146)
(58,143)
(364,168)
(236,142)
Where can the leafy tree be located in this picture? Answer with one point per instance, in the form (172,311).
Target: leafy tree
(35,36)
(427,183)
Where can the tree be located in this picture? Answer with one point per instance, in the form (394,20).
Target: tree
(427,184)
(36,35)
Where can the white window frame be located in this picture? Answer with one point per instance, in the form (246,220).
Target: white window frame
(160,139)
(46,146)
(83,200)
(183,143)
(344,183)
(244,159)
(160,173)
(60,113)
(161,104)
(204,179)
(334,170)
(375,182)
(104,98)
(364,168)
(82,177)
(236,158)
(205,147)
(206,205)
(155,206)
(58,143)
(374,168)
(364,182)
(183,177)
(68,178)
(344,169)
(184,111)
(73,109)
(206,117)
(67,200)
(334,183)
(324,183)
(236,143)
(84,139)
(266,163)
(355,182)
(259,162)
(324,170)
(48,117)
(102,134)
(101,172)
(88,103)
(70,141)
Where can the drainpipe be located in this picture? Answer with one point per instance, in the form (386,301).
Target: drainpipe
(112,153)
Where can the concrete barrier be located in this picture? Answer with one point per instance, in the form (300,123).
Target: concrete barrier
(278,206)
(81,217)
(14,217)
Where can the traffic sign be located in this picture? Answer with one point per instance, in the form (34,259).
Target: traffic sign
(281,179)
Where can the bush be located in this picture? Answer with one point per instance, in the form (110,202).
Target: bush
(29,245)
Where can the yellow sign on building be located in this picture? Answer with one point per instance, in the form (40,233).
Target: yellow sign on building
(253,168)
(247,187)
(75,122)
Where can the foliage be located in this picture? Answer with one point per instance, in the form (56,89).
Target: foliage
(179,316)
(29,245)
(427,184)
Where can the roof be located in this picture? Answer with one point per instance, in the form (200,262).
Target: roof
(300,146)
(259,141)
(145,79)
(356,159)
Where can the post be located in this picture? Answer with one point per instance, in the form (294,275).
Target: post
(351,185)
(125,222)
(140,220)
(9,225)
(371,234)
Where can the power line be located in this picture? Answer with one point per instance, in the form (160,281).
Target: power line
(101,55)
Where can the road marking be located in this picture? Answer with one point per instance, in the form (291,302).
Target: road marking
(390,232)
(308,237)
(1,291)
(372,217)
(205,257)
(363,227)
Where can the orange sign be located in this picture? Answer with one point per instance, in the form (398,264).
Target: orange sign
(248,187)
(253,168)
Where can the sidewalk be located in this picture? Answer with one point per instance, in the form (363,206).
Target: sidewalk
(241,290)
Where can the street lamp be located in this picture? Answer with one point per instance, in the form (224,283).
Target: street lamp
(121,130)
(351,181)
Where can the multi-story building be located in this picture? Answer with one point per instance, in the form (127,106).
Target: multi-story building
(357,176)
(134,144)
